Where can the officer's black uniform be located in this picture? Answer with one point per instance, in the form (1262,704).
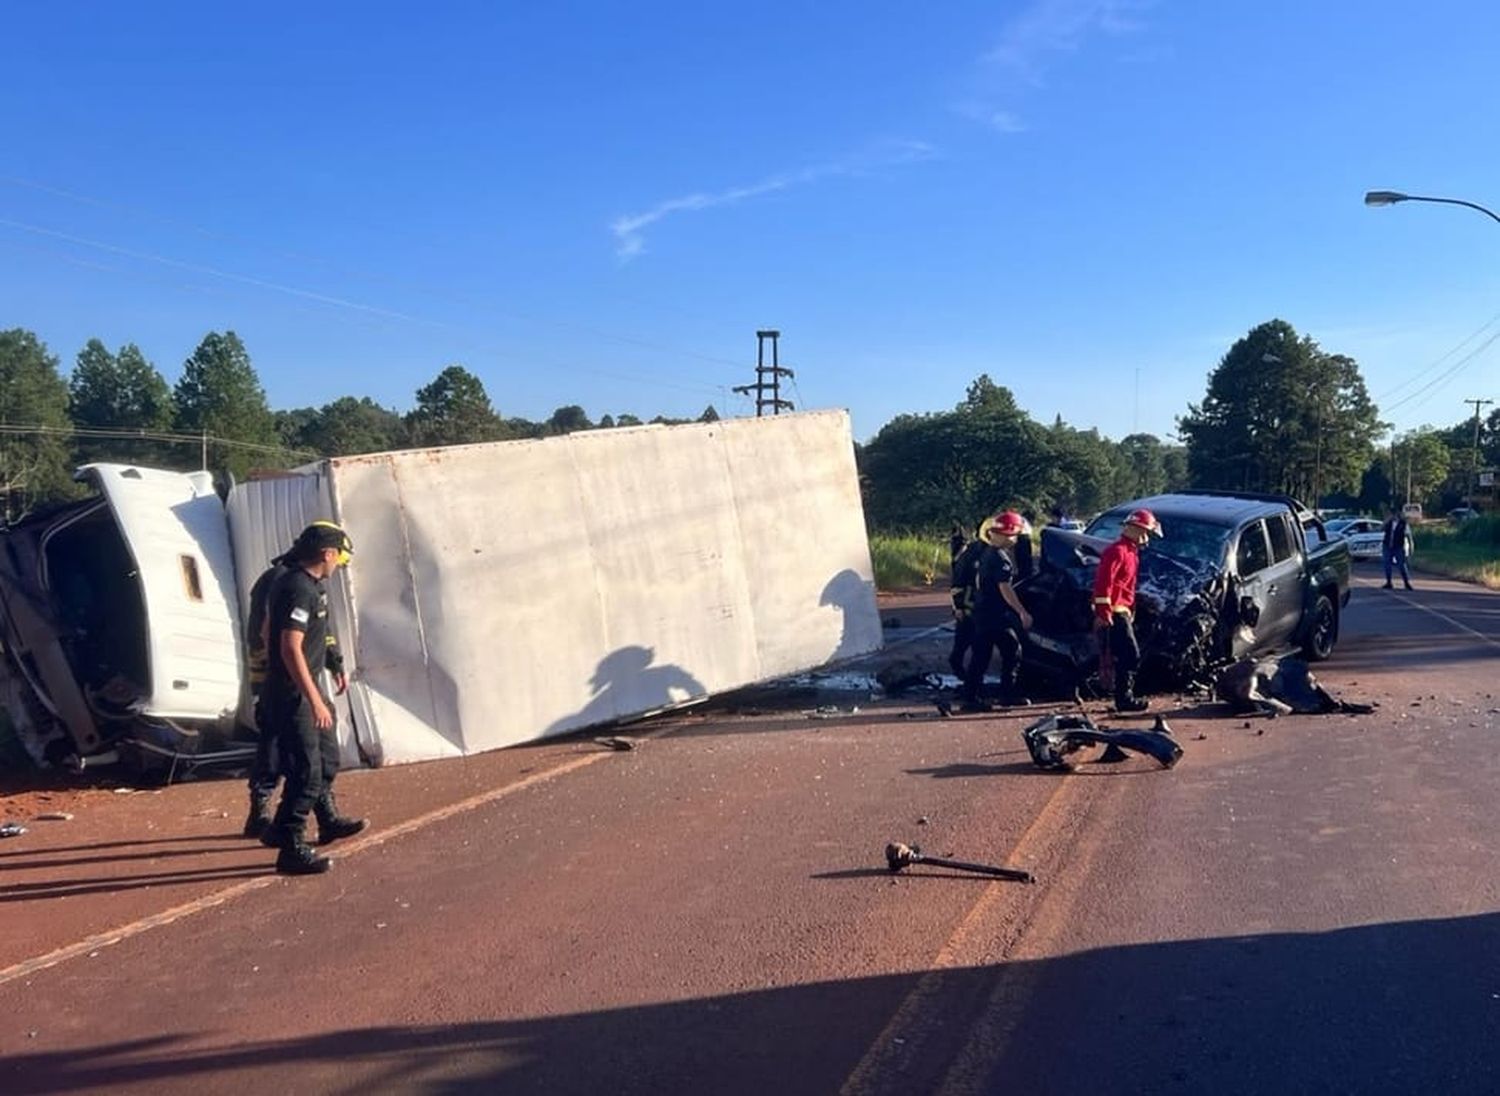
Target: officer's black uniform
(298,603)
(266,769)
(961,589)
(996,625)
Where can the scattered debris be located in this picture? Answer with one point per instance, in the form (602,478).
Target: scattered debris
(944,708)
(1200,737)
(905,675)
(922,821)
(898,856)
(11,829)
(1052,738)
(54,816)
(1279,686)
(615,742)
(829,711)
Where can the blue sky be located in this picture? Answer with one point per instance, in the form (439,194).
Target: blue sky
(593,203)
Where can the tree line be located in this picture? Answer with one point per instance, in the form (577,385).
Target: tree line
(1279,414)
(117,406)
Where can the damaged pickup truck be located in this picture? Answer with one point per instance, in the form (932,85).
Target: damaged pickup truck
(1234,575)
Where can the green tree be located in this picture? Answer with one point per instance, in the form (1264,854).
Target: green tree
(1143,466)
(349,426)
(1417,464)
(567,419)
(220,395)
(120,391)
(925,471)
(1281,415)
(34,464)
(454,410)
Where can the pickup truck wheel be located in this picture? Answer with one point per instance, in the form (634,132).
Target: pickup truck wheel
(1322,631)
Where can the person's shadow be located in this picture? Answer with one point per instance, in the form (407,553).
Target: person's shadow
(854,598)
(625,683)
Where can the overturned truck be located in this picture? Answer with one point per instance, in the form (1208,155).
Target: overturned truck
(499,593)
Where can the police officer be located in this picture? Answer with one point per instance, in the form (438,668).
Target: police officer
(1114,604)
(293,702)
(1000,619)
(265,771)
(961,591)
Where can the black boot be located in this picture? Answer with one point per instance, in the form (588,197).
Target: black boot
(259,818)
(331,825)
(1125,698)
(1010,691)
(296,856)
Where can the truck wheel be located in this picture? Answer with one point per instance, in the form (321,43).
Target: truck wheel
(1322,631)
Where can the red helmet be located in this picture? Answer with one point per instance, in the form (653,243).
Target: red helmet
(1145,519)
(1009,523)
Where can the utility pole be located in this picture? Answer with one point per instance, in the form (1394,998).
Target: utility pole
(1474,464)
(775,371)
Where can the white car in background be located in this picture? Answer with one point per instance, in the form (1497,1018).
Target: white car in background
(1363,535)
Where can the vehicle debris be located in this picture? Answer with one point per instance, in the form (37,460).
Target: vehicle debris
(1051,739)
(54,816)
(615,742)
(898,856)
(1279,686)
(11,829)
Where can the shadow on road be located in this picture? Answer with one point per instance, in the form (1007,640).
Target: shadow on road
(1399,1007)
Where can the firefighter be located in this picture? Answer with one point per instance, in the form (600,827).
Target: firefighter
(1000,620)
(293,702)
(961,590)
(1114,604)
(265,771)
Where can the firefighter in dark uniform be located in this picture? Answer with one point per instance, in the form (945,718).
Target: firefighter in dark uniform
(293,703)
(1114,605)
(265,771)
(961,590)
(1000,620)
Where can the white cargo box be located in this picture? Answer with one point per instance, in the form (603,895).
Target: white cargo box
(504,592)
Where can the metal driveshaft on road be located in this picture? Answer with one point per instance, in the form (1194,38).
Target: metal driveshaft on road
(898,856)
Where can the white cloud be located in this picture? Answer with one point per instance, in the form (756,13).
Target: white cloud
(1058,26)
(1031,41)
(629,230)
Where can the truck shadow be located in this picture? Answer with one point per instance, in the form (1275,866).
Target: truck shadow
(1393,1007)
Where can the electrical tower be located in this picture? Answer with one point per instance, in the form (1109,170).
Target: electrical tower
(767,377)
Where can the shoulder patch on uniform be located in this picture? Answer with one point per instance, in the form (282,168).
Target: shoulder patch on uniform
(299,615)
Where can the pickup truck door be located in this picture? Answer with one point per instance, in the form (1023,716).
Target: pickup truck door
(1269,589)
(1287,585)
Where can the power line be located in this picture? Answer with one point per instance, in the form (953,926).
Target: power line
(375,276)
(1419,374)
(154,435)
(1447,374)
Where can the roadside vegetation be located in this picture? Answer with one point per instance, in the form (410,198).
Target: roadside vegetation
(904,560)
(1469,551)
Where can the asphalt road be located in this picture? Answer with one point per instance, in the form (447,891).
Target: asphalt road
(1303,905)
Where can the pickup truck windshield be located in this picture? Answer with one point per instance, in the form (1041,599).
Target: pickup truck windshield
(1185,538)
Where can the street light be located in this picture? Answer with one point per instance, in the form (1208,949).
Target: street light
(1391,197)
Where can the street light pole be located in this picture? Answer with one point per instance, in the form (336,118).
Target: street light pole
(1391,197)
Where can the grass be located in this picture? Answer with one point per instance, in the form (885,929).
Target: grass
(1469,551)
(903,560)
